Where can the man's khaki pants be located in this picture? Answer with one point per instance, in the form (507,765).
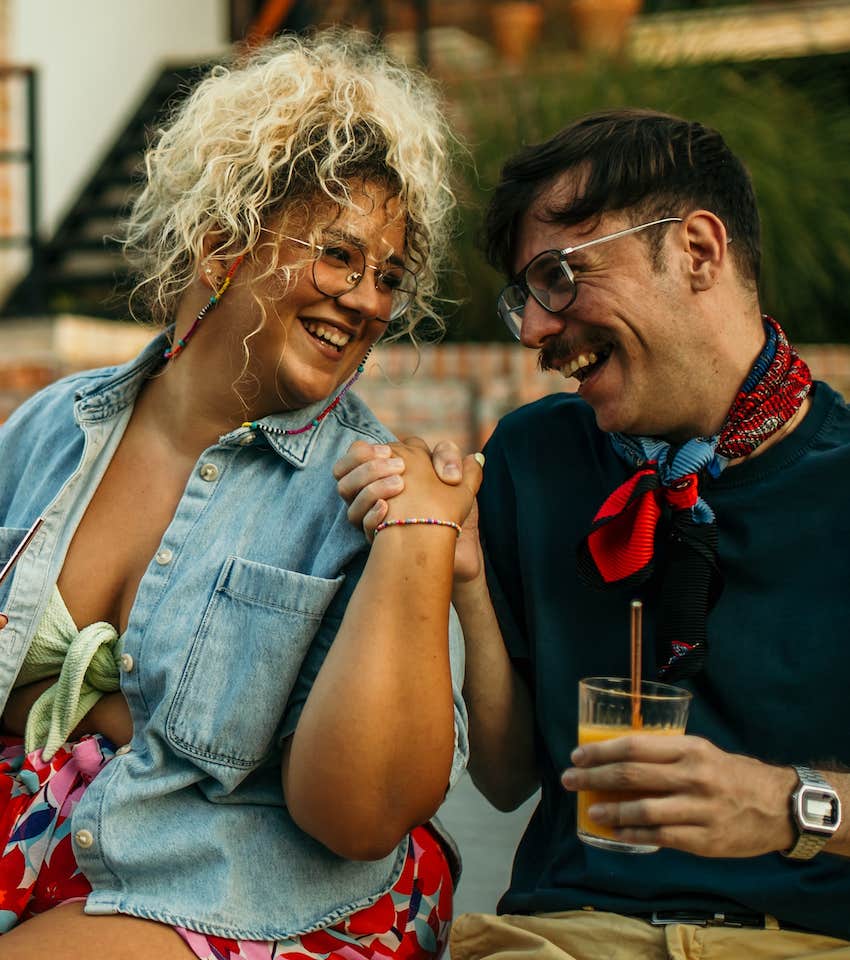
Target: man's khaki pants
(595,935)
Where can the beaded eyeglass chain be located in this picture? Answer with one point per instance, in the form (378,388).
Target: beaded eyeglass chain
(279,431)
(180,345)
(210,304)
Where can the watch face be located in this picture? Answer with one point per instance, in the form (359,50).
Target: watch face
(818,809)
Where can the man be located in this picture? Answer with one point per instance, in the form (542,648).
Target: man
(699,470)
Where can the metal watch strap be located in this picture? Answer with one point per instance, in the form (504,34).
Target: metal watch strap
(808,843)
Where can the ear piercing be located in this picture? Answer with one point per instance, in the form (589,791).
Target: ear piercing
(217,294)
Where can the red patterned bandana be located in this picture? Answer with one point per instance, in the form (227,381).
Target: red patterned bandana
(663,494)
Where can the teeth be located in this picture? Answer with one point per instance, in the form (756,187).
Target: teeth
(582,360)
(329,334)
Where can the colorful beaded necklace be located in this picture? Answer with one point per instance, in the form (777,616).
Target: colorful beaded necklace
(279,431)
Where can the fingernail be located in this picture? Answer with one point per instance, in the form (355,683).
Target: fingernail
(577,755)
(568,778)
(381,450)
(597,812)
(451,470)
(395,462)
(479,457)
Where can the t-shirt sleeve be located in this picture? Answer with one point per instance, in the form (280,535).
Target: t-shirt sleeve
(497,507)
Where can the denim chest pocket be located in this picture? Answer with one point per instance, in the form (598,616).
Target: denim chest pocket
(244,660)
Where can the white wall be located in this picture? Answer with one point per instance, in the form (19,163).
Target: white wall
(96,58)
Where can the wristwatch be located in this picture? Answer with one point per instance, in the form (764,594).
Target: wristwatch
(815,811)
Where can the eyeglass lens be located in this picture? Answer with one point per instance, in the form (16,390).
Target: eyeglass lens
(341,266)
(550,281)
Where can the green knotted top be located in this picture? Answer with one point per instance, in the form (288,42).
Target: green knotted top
(87,664)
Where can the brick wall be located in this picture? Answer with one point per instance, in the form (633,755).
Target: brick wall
(450,391)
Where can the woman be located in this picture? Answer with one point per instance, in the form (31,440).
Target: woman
(250,721)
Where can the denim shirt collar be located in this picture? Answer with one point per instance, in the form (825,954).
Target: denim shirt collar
(107,395)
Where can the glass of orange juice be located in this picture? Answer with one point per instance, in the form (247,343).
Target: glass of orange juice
(607,708)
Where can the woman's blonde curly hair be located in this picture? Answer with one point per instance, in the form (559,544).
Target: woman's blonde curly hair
(291,128)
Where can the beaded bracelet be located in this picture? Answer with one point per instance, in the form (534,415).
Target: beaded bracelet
(411,521)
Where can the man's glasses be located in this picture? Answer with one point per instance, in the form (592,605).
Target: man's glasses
(338,267)
(549,279)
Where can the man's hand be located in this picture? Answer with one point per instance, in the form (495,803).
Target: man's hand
(683,792)
(369,475)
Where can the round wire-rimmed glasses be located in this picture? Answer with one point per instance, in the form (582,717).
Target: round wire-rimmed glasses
(340,265)
(549,279)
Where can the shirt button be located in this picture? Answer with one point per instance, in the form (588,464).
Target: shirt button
(127,662)
(123,750)
(84,839)
(165,555)
(209,472)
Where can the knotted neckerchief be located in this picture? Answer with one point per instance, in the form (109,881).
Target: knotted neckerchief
(620,548)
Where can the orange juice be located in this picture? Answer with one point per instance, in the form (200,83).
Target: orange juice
(594,733)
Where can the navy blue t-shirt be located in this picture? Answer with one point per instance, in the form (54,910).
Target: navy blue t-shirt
(775,684)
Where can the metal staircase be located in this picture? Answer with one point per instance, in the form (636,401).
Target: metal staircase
(80,269)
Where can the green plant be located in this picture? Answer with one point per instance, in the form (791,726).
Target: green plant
(790,126)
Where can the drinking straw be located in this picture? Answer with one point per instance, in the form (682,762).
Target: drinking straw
(637,612)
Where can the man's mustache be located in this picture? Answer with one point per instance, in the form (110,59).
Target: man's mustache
(554,353)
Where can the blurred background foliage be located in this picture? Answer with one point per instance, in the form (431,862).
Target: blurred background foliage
(789,121)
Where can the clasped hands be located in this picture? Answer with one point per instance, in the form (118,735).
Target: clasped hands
(417,481)
(691,795)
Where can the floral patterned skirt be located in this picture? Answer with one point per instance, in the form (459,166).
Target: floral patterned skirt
(38,870)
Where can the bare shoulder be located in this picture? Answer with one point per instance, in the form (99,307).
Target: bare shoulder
(69,933)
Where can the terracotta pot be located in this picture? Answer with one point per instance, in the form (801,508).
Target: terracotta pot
(516,28)
(601,26)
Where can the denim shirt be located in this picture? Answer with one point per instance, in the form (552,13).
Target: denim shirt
(231,622)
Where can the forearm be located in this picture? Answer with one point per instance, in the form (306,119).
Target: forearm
(501,720)
(772,803)
(372,753)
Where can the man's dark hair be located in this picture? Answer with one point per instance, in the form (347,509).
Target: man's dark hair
(646,164)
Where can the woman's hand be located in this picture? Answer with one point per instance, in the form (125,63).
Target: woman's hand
(369,476)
